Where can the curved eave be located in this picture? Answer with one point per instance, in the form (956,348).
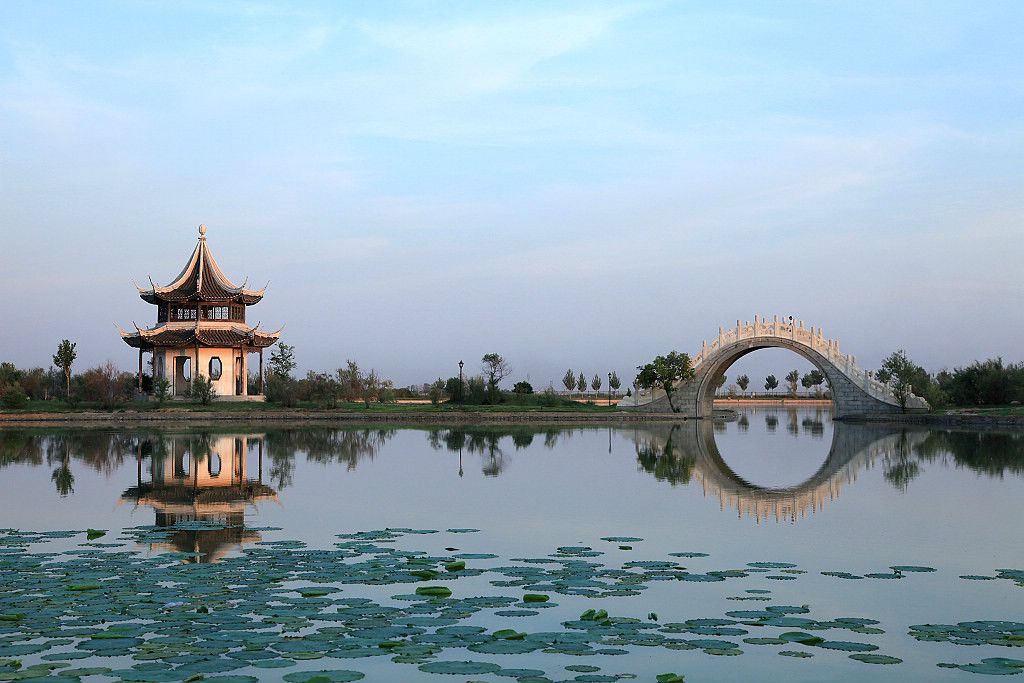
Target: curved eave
(245,297)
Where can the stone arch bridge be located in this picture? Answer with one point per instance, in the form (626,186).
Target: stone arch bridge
(854,390)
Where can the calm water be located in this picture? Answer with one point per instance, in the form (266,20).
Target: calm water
(788,488)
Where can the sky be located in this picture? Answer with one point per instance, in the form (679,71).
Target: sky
(579,185)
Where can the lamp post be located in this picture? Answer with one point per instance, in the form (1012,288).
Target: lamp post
(461,400)
(609,388)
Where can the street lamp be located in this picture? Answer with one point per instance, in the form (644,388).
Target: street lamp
(609,388)
(461,397)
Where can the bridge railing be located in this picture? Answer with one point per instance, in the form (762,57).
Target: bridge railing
(793,330)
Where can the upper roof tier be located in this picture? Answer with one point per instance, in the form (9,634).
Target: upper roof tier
(201,280)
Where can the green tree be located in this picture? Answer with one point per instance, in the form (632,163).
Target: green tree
(522,388)
(898,372)
(614,382)
(161,390)
(581,383)
(595,383)
(664,372)
(719,382)
(793,378)
(743,382)
(456,390)
(282,360)
(770,383)
(815,379)
(203,390)
(569,380)
(495,368)
(64,359)
(436,391)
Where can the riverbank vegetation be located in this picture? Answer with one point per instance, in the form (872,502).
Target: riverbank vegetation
(990,386)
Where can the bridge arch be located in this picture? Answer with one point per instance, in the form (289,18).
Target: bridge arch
(854,390)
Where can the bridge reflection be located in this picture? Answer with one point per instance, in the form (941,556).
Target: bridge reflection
(687,452)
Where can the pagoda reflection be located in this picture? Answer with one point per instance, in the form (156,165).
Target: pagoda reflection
(201,480)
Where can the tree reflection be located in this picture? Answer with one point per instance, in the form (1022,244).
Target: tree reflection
(664,461)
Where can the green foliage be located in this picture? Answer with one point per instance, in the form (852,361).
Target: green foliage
(522,388)
(898,372)
(569,380)
(476,390)
(13,397)
(64,359)
(664,372)
(282,360)
(282,390)
(203,390)
(743,382)
(770,383)
(595,383)
(792,379)
(436,392)
(455,388)
(161,390)
(581,383)
(495,368)
(614,382)
(989,382)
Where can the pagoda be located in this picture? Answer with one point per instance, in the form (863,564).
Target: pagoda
(200,328)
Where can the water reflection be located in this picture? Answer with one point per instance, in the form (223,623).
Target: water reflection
(200,480)
(204,476)
(686,452)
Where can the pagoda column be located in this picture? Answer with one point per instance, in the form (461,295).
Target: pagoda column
(140,367)
(262,387)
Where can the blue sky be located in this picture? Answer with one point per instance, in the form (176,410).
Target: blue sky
(569,184)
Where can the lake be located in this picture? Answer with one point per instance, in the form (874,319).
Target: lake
(777,546)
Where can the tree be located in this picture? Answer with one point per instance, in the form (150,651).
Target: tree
(522,388)
(161,390)
(282,360)
(595,383)
(806,382)
(64,359)
(456,390)
(665,372)
(743,382)
(719,382)
(203,390)
(770,383)
(898,372)
(495,368)
(350,381)
(816,379)
(569,380)
(436,391)
(614,382)
(581,383)
(793,377)
(370,387)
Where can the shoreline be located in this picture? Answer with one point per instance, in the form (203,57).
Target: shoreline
(328,417)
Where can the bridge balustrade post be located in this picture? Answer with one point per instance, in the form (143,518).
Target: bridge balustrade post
(776,325)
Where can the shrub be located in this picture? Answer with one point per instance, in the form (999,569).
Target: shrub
(13,397)
(203,390)
(106,385)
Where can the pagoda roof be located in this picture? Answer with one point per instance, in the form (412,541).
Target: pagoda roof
(201,280)
(204,334)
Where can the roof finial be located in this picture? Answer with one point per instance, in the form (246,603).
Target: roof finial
(202,231)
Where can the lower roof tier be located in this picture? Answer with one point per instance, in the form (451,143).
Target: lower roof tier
(199,336)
